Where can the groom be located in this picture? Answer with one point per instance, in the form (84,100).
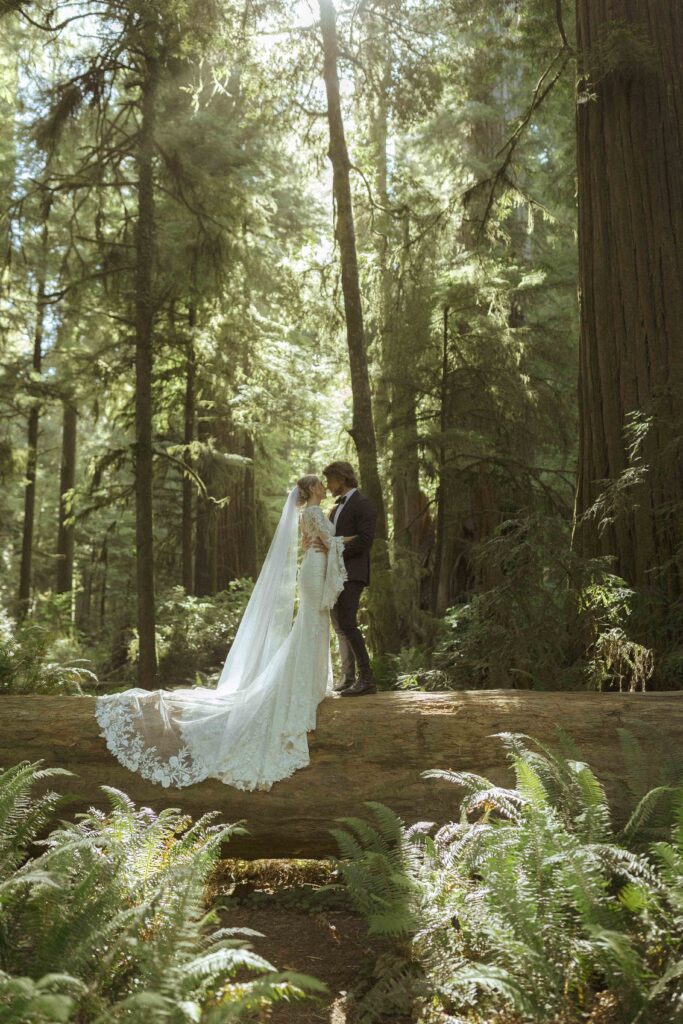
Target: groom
(354,516)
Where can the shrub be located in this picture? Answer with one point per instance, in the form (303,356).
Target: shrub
(194,634)
(109,922)
(33,659)
(532,906)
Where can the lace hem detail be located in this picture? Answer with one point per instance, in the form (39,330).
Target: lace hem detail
(180,769)
(129,749)
(335,574)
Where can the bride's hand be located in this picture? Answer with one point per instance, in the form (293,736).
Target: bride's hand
(320,545)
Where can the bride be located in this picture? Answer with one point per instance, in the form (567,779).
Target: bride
(250,731)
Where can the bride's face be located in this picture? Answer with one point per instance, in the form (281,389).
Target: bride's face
(320,490)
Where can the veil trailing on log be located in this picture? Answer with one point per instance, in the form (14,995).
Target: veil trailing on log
(179,737)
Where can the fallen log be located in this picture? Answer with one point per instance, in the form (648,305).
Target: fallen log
(370,748)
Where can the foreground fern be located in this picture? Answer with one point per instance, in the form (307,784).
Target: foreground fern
(533,904)
(109,922)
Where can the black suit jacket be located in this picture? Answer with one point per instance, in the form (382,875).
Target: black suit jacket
(358,516)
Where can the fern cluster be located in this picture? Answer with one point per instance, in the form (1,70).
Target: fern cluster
(109,921)
(534,906)
(36,658)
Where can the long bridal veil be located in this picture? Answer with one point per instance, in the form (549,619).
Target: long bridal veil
(268,616)
(178,737)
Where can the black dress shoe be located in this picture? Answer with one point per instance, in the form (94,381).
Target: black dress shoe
(345,684)
(359,688)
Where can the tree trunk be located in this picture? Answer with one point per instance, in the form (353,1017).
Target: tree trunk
(67,478)
(144,339)
(397,422)
(25,570)
(363,430)
(439,570)
(629,119)
(378,745)
(248,535)
(412,338)
(205,534)
(188,438)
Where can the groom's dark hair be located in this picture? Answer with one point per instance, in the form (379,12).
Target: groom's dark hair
(343,469)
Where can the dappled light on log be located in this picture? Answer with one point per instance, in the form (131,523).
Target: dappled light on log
(371,748)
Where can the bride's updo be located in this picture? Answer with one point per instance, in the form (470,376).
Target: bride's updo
(306,485)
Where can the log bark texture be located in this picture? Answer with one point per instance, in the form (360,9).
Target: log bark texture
(372,748)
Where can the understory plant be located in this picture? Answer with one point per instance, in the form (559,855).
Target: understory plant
(37,658)
(195,633)
(109,922)
(548,619)
(534,906)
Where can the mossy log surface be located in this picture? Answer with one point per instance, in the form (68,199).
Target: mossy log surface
(364,748)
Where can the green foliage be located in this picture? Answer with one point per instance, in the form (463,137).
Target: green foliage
(109,922)
(532,902)
(549,620)
(36,659)
(373,868)
(195,633)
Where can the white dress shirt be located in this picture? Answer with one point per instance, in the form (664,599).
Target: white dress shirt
(340,506)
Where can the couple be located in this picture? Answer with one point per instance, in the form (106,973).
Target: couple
(251,730)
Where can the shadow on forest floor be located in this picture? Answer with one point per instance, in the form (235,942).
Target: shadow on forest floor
(304,929)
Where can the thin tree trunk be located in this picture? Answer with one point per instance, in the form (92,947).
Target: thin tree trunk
(104,559)
(630,152)
(202,558)
(144,335)
(25,569)
(67,478)
(405,461)
(439,595)
(188,438)
(249,505)
(380,49)
(363,430)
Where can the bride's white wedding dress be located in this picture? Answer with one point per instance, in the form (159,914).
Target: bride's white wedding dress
(251,730)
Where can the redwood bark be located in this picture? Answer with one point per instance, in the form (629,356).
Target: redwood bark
(629,120)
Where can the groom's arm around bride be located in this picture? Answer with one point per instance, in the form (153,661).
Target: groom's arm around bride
(359,525)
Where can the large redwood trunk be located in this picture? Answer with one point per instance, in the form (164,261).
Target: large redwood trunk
(629,118)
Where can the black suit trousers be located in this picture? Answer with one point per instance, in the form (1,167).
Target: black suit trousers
(351,644)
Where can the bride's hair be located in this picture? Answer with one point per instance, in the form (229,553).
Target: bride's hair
(306,485)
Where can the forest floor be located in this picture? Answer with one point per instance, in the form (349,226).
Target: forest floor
(305,929)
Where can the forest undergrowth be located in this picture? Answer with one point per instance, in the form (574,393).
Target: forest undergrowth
(533,906)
